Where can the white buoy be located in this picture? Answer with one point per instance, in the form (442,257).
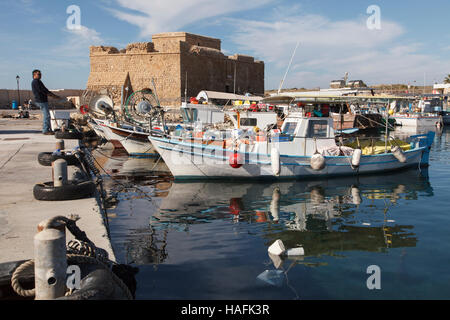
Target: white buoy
(295,252)
(275,161)
(277,248)
(398,153)
(356,157)
(317,162)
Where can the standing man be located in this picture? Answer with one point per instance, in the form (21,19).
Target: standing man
(40,93)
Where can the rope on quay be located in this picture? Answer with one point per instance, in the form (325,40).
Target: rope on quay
(79,251)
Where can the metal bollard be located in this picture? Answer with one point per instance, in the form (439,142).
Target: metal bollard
(59,173)
(50,264)
(60,145)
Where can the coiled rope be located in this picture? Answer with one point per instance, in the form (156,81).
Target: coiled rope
(80,251)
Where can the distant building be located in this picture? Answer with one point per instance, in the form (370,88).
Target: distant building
(337,84)
(356,84)
(172,59)
(442,88)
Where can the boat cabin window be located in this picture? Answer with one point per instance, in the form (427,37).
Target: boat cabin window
(247,122)
(317,128)
(189,114)
(289,128)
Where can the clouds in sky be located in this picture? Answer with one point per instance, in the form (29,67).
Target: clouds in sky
(162,16)
(328,47)
(330,44)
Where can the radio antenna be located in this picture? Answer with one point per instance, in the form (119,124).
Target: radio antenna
(289,66)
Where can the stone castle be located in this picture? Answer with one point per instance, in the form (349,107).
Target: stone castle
(172,59)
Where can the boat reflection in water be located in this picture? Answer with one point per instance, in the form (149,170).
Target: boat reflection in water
(324,217)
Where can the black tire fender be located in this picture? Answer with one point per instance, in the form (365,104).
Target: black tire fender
(73,190)
(46,159)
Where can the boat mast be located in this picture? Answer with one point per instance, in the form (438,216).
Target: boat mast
(289,66)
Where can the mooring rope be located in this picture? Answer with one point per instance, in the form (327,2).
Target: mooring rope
(79,252)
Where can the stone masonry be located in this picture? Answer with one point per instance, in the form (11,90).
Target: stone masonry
(169,59)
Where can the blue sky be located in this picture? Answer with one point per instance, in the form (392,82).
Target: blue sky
(413,41)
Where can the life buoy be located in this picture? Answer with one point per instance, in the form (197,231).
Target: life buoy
(84,109)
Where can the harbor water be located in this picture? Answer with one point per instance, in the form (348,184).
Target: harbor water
(209,240)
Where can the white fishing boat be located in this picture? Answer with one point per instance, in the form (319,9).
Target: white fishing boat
(133,139)
(305,148)
(416,119)
(107,133)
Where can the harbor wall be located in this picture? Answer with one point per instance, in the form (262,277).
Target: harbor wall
(8,95)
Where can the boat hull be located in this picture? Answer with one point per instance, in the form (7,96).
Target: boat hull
(416,121)
(135,143)
(198,161)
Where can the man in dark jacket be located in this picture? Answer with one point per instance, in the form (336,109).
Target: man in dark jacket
(40,93)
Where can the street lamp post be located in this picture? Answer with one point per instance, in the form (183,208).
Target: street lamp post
(18,91)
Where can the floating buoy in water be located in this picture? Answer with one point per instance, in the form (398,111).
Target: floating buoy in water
(275,161)
(317,162)
(398,153)
(235,160)
(356,157)
(277,248)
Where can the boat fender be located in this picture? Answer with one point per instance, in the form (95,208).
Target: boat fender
(317,162)
(275,161)
(398,153)
(356,157)
(235,160)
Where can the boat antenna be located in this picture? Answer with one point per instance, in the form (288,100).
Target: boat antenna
(289,66)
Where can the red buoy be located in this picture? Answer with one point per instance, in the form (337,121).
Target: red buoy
(235,160)
(84,109)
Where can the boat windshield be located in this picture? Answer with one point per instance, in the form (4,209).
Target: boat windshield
(289,128)
(317,128)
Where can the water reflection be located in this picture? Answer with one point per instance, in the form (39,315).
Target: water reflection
(209,240)
(324,217)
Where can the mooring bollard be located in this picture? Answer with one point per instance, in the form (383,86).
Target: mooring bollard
(59,173)
(60,145)
(50,264)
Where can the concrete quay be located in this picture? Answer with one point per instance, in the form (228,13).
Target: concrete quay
(21,141)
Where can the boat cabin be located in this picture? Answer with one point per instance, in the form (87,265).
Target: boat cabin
(204,113)
(302,136)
